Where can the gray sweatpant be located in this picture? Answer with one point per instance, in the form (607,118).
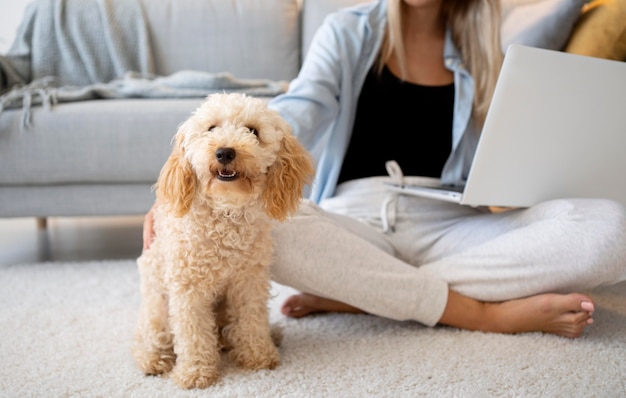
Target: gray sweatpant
(339,250)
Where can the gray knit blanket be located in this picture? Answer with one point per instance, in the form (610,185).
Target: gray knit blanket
(73,50)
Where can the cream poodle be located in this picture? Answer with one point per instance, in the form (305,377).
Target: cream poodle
(205,282)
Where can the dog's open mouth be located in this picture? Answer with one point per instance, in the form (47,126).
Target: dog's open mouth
(227,175)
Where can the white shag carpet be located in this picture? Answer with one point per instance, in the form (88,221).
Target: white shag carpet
(66,331)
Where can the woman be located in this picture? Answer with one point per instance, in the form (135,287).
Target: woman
(431,67)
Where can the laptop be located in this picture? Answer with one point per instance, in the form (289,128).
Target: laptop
(556,128)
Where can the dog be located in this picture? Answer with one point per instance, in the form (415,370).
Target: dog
(234,170)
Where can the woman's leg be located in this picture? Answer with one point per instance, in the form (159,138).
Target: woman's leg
(331,288)
(470,250)
(564,315)
(557,246)
(321,254)
(513,261)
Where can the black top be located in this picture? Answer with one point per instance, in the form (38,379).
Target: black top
(401,121)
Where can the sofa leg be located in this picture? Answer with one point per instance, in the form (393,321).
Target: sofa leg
(43,240)
(42,223)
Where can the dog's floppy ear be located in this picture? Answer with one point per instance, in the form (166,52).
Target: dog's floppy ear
(287,177)
(176,185)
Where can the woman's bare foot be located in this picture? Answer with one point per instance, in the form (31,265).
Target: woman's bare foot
(303,304)
(564,315)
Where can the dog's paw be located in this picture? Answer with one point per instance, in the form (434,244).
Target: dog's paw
(198,377)
(266,357)
(153,363)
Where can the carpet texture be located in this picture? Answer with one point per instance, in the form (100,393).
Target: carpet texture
(66,331)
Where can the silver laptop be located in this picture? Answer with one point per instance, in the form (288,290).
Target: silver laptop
(556,128)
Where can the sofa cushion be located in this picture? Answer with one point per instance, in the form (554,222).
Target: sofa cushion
(601,31)
(76,199)
(99,141)
(539,23)
(254,39)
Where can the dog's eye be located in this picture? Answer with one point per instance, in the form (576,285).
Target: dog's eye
(211,128)
(253,131)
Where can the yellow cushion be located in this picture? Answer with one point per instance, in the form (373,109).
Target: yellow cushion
(600,31)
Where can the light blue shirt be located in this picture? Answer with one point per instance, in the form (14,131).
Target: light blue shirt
(321,102)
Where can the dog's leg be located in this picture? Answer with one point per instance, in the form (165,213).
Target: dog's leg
(249,329)
(153,348)
(195,339)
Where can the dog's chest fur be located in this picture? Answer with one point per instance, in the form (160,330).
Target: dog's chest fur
(212,247)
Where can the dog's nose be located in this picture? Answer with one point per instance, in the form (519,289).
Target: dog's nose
(225,155)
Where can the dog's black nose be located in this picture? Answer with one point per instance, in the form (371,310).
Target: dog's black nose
(225,155)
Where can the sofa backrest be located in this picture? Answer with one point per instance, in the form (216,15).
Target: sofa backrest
(248,38)
(265,39)
(313,14)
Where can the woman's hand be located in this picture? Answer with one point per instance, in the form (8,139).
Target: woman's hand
(148,227)
(498,209)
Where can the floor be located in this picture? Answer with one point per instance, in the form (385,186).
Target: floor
(68,239)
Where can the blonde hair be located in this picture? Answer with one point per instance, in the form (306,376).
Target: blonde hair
(475,28)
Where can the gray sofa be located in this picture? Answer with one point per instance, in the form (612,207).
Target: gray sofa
(101,156)
(98,156)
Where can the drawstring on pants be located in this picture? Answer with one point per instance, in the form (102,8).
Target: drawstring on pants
(389,208)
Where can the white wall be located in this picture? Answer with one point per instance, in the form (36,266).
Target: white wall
(11,12)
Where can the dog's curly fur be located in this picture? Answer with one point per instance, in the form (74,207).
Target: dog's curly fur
(205,281)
